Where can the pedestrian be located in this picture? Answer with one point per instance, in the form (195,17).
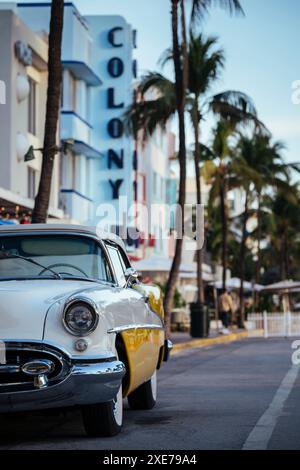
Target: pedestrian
(225,309)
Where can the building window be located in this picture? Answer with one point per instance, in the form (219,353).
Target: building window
(32,107)
(73,93)
(31,183)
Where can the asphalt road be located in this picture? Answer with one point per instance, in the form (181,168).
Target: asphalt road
(240,395)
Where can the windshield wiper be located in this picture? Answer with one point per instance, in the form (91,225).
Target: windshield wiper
(4,255)
(79,278)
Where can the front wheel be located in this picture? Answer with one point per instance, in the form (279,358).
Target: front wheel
(104,419)
(144,397)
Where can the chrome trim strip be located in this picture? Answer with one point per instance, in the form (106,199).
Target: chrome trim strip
(9,369)
(146,326)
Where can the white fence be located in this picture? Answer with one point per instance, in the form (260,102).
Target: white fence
(275,324)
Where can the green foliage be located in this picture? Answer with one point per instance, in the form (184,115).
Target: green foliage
(178,301)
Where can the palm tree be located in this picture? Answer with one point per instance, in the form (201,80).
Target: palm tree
(217,173)
(285,226)
(41,206)
(264,170)
(232,106)
(181,74)
(248,178)
(204,67)
(180,58)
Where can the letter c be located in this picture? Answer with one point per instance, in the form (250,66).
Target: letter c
(111,37)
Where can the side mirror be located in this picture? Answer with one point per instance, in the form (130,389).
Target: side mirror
(131,275)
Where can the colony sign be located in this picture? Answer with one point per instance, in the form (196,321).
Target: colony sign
(112,50)
(115,126)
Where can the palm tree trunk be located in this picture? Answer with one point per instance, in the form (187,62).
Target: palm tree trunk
(199,253)
(40,211)
(282,267)
(185,73)
(224,215)
(286,255)
(180,101)
(242,261)
(259,234)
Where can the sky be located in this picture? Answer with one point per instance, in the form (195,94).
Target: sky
(261,50)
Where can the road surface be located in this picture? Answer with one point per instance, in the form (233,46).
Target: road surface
(241,395)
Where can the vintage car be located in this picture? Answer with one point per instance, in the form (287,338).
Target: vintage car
(77,328)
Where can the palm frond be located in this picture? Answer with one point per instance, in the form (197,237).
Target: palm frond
(148,114)
(200,8)
(157,83)
(205,63)
(238,108)
(165,57)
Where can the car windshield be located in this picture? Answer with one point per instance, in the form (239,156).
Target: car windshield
(54,256)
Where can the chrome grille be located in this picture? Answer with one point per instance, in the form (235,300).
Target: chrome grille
(12,378)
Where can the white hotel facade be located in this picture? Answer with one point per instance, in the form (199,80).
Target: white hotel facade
(24,75)
(105,163)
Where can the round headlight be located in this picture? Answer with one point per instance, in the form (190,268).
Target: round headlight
(80,319)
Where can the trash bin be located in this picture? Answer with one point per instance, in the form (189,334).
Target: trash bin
(199,320)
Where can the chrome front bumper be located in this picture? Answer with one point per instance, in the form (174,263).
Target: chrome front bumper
(86,382)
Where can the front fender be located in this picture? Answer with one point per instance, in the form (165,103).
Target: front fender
(100,343)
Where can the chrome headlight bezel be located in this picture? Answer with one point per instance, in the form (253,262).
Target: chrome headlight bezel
(92,308)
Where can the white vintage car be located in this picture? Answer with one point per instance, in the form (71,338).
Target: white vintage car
(77,328)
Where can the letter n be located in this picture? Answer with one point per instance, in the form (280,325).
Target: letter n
(114,158)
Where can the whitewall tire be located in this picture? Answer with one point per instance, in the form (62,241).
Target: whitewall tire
(104,419)
(144,397)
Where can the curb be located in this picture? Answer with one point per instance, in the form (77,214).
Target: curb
(201,343)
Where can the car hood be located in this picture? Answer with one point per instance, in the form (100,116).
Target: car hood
(24,304)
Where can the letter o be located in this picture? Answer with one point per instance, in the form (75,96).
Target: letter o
(115,67)
(115,128)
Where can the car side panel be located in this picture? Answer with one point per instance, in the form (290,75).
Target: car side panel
(143,345)
(142,348)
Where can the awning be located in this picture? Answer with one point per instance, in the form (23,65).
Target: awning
(163,265)
(11,200)
(82,148)
(159,264)
(82,71)
(207,277)
(283,286)
(235,283)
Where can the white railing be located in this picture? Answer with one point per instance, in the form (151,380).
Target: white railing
(275,324)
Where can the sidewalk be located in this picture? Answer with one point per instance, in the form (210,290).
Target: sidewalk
(183,341)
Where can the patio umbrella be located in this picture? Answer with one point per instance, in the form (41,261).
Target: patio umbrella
(282,286)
